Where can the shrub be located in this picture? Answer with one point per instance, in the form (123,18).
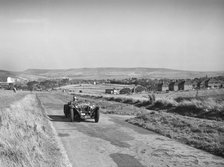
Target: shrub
(203,108)
(118,99)
(163,104)
(128,100)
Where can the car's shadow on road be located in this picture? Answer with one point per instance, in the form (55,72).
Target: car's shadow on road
(58,118)
(62,118)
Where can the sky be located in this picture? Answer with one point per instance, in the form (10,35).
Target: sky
(62,34)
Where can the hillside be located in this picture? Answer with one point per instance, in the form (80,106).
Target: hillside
(109,73)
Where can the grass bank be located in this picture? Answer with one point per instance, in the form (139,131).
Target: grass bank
(203,134)
(26,135)
(207,108)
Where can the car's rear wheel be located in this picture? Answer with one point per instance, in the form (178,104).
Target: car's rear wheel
(97,115)
(66,110)
(72,114)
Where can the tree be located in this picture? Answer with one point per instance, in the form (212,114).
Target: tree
(32,85)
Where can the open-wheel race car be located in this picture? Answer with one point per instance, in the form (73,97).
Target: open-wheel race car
(78,110)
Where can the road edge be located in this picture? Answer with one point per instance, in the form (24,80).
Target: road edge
(65,158)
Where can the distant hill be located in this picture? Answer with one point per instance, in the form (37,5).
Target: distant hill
(109,73)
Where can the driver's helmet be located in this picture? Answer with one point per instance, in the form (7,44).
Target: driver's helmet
(75,98)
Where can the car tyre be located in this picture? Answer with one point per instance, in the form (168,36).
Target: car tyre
(72,114)
(97,115)
(66,110)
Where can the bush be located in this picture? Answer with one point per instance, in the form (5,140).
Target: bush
(118,99)
(163,104)
(206,108)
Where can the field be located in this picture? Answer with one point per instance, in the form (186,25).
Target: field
(27,137)
(91,89)
(99,90)
(191,117)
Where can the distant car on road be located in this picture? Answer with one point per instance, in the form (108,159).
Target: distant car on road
(79,110)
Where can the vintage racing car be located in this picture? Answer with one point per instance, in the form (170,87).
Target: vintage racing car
(81,110)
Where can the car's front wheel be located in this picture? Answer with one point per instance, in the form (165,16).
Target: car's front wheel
(97,115)
(72,114)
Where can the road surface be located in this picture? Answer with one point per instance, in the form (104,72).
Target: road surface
(115,143)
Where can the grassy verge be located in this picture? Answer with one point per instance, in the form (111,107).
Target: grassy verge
(207,135)
(125,100)
(26,136)
(207,108)
(203,107)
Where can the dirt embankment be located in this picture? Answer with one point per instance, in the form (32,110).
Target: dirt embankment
(27,137)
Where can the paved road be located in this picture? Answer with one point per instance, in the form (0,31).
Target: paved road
(113,142)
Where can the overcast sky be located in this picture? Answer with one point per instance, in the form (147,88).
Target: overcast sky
(177,34)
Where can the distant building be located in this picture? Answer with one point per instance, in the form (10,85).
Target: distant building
(213,83)
(188,85)
(7,82)
(159,87)
(204,83)
(11,80)
(109,91)
(171,86)
(116,91)
(181,85)
(196,84)
(165,87)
